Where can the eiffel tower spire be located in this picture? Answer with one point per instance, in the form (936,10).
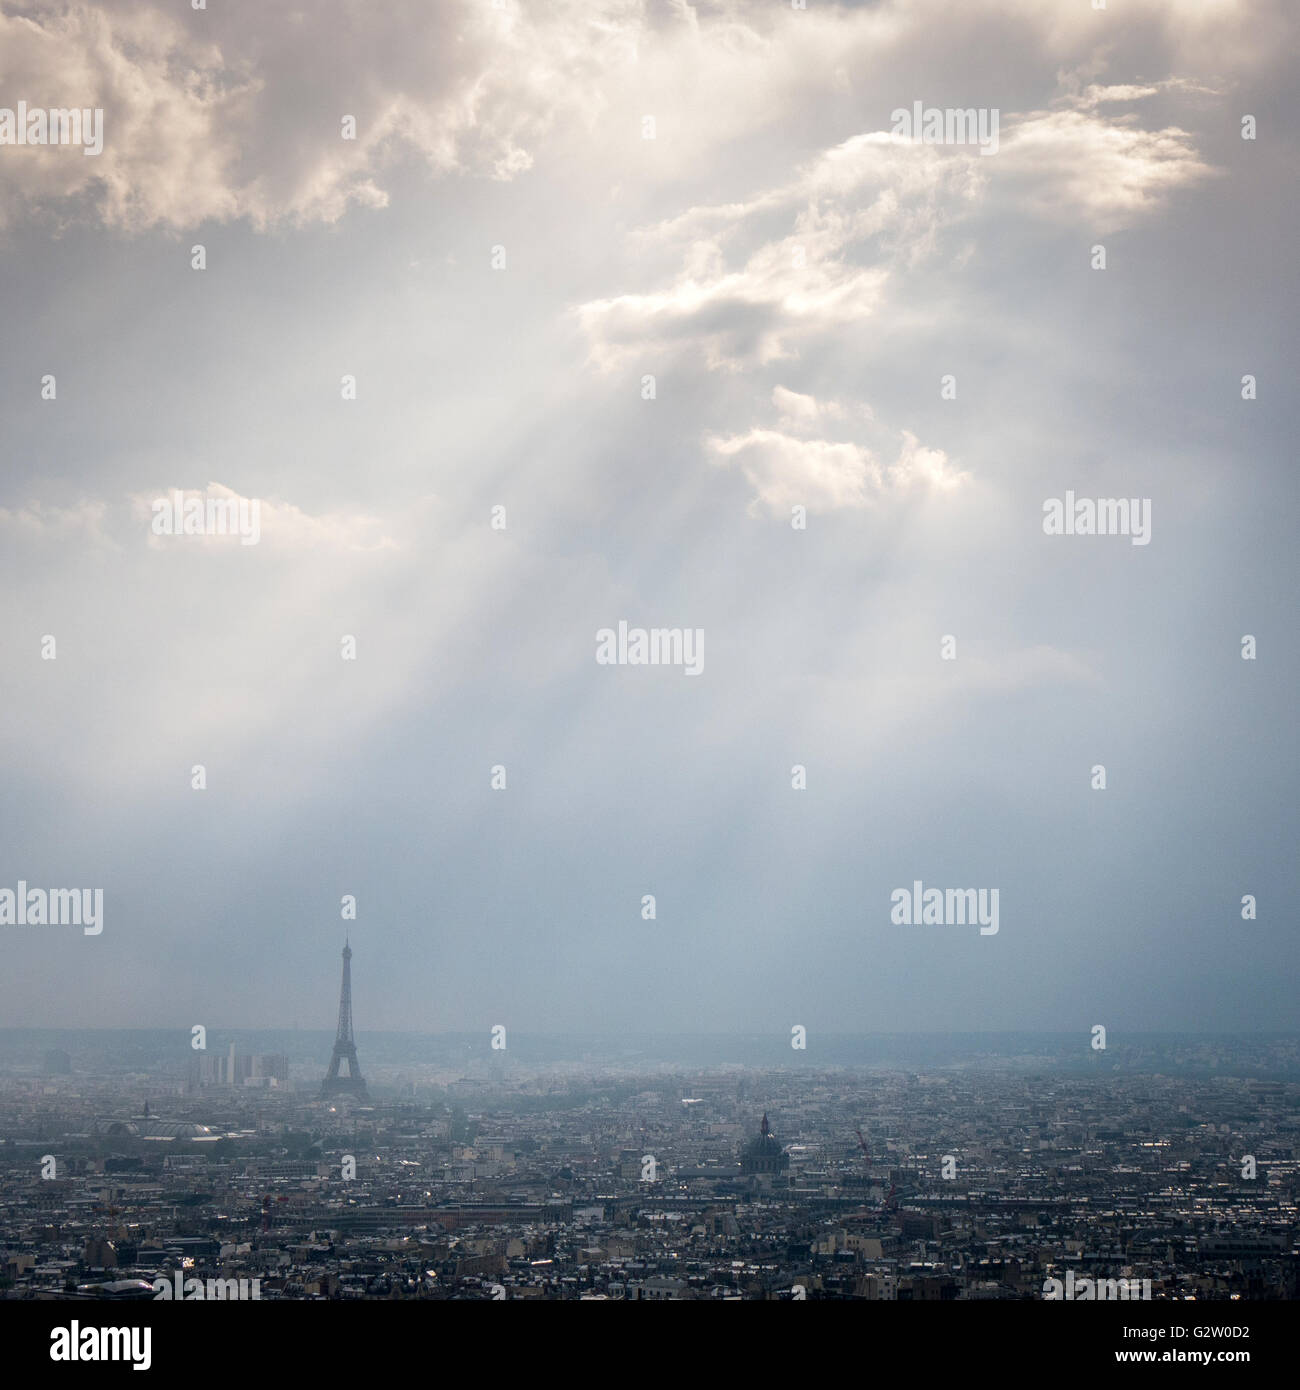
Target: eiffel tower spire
(345,1047)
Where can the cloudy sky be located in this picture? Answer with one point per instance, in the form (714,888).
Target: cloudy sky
(500,258)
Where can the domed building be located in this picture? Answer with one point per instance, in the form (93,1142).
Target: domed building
(763,1161)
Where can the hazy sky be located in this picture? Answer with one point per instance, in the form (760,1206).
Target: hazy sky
(798,279)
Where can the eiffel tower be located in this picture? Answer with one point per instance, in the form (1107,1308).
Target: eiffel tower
(345,1046)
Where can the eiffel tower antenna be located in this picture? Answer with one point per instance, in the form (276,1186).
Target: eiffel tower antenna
(345,1047)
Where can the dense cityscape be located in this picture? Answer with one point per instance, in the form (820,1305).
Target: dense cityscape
(234,1174)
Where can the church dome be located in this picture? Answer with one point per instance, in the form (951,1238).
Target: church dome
(763,1153)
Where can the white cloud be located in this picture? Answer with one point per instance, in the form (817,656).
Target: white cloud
(743,299)
(862,216)
(783,471)
(221,115)
(82,522)
(1070,163)
(799,412)
(283,526)
(825,475)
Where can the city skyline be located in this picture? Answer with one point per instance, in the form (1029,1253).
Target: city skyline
(952,1184)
